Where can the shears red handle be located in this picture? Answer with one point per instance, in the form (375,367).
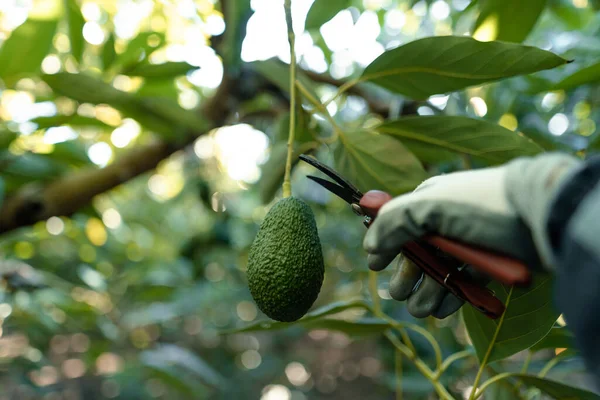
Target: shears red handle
(504,269)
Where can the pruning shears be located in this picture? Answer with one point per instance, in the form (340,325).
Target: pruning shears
(440,258)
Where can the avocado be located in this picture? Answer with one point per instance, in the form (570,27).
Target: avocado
(285,263)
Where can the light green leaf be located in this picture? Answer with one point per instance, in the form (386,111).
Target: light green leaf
(279,74)
(72,152)
(72,120)
(165,70)
(109,55)
(442,64)
(322,11)
(165,118)
(507,20)
(374,161)
(528,318)
(315,315)
(139,49)
(556,390)
(175,356)
(165,88)
(587,75)
(434,139)
(75,21)
(23,52)
(558,338)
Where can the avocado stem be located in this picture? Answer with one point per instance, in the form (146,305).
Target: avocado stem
(287,183)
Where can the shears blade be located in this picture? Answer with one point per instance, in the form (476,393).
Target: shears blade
(343,193)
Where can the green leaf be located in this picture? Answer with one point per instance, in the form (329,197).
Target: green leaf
(556,390)
(584,76)
(558,338)
(139,49)
(361,327)
(528,318)
(165,88)
(315,315)
(374,161)
(279,74)
(72,120)
(72,152)
(170,354)
(322,11)
(23,52)
(165,70)
(171,111)
(507,20)
(109,55)
(434,139)
(442,64)
(86,88)
(75,21)
(6,138)
(1,191)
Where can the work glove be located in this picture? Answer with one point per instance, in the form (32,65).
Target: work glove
(503,209)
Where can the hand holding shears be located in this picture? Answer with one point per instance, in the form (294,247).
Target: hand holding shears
(438,257)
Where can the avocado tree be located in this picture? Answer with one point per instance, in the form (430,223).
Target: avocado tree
(142,143)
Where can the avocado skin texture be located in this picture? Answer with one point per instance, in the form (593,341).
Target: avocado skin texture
(285,264)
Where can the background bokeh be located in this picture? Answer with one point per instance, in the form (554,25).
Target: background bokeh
(128,297)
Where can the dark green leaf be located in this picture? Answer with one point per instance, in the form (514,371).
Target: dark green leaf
(556,390)
(375,161)
(75,21)
(439,138)
(165,70)
(109,55)
(86,88)
(587,75)
(237,14)
(1,191)
(444,64)
(72,120)
(6,138)
(558,338)
(25,49)
(34,167)
(500,20)
(361,327)
(528,318)
(315,315)
(172,112)
(72,152)
(322,11)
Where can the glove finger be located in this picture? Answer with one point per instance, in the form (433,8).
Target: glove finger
(426,299)
(378,262)
(405,279)
(449,306)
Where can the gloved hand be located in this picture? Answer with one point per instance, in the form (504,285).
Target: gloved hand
(503,209)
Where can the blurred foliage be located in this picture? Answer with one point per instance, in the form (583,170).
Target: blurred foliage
(138,295)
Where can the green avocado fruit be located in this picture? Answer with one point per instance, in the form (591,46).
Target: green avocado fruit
(285,264)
